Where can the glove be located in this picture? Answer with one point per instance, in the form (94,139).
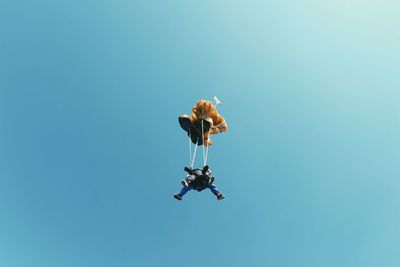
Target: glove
(188,170)
(205,169)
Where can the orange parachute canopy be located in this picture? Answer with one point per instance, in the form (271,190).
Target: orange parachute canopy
(203,123)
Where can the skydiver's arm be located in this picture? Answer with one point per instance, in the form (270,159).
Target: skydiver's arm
(189,170)
(205,169)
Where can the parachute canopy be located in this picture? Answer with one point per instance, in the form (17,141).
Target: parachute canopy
(203,123)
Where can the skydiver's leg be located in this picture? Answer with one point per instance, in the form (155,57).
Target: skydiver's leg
(215,191)
(184,190)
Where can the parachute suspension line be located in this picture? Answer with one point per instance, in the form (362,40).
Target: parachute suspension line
(190,148)
(205,161)
(202,134)
(194,154)
(205,153)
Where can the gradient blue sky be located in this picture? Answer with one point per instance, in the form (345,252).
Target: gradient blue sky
(91,151)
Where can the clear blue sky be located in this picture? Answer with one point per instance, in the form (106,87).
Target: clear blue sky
(91,151)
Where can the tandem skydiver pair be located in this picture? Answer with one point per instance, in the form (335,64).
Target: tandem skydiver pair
(204,122)
(199,180)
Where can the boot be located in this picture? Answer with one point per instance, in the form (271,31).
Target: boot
(220,196)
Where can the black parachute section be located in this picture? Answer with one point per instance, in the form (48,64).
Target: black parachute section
(196,129)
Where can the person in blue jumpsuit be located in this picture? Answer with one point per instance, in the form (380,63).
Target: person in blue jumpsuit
(199,180)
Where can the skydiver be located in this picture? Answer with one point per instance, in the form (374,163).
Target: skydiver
(198,180)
